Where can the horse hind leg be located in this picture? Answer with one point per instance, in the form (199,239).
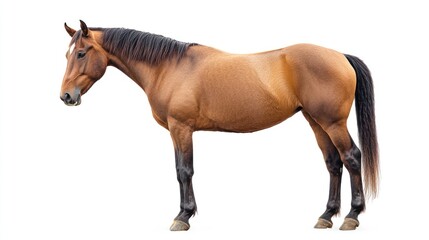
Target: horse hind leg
(350,155)
(334,166)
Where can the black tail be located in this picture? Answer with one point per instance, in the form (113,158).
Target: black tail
(364,103)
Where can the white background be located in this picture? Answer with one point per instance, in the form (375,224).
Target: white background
(105,169)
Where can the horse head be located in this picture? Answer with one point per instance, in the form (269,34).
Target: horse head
(86,63)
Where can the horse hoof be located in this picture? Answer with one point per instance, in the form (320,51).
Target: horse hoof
(179,226)
(349,224)
(323,224)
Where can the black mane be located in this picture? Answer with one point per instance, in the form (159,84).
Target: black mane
(134,45)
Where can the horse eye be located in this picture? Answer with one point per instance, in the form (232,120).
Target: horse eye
(80,55)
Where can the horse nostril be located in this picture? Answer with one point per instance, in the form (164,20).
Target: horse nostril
(67,98)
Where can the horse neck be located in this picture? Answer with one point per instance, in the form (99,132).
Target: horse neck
(140,72)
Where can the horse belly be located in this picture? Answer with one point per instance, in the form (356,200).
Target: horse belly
(245,112)
(253,121)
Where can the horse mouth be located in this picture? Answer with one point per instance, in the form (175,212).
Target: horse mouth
(77,103)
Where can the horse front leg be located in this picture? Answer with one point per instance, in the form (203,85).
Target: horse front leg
(182,140)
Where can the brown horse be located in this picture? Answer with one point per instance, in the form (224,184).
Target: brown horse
(191,87)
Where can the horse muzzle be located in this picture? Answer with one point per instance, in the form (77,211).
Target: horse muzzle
(70,100)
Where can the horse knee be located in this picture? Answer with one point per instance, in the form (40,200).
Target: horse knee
(184,174)
(352,160)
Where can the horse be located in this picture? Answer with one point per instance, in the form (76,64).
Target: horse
(191,87)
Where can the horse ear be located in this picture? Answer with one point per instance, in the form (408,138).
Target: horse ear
(69,30)
(84,28)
